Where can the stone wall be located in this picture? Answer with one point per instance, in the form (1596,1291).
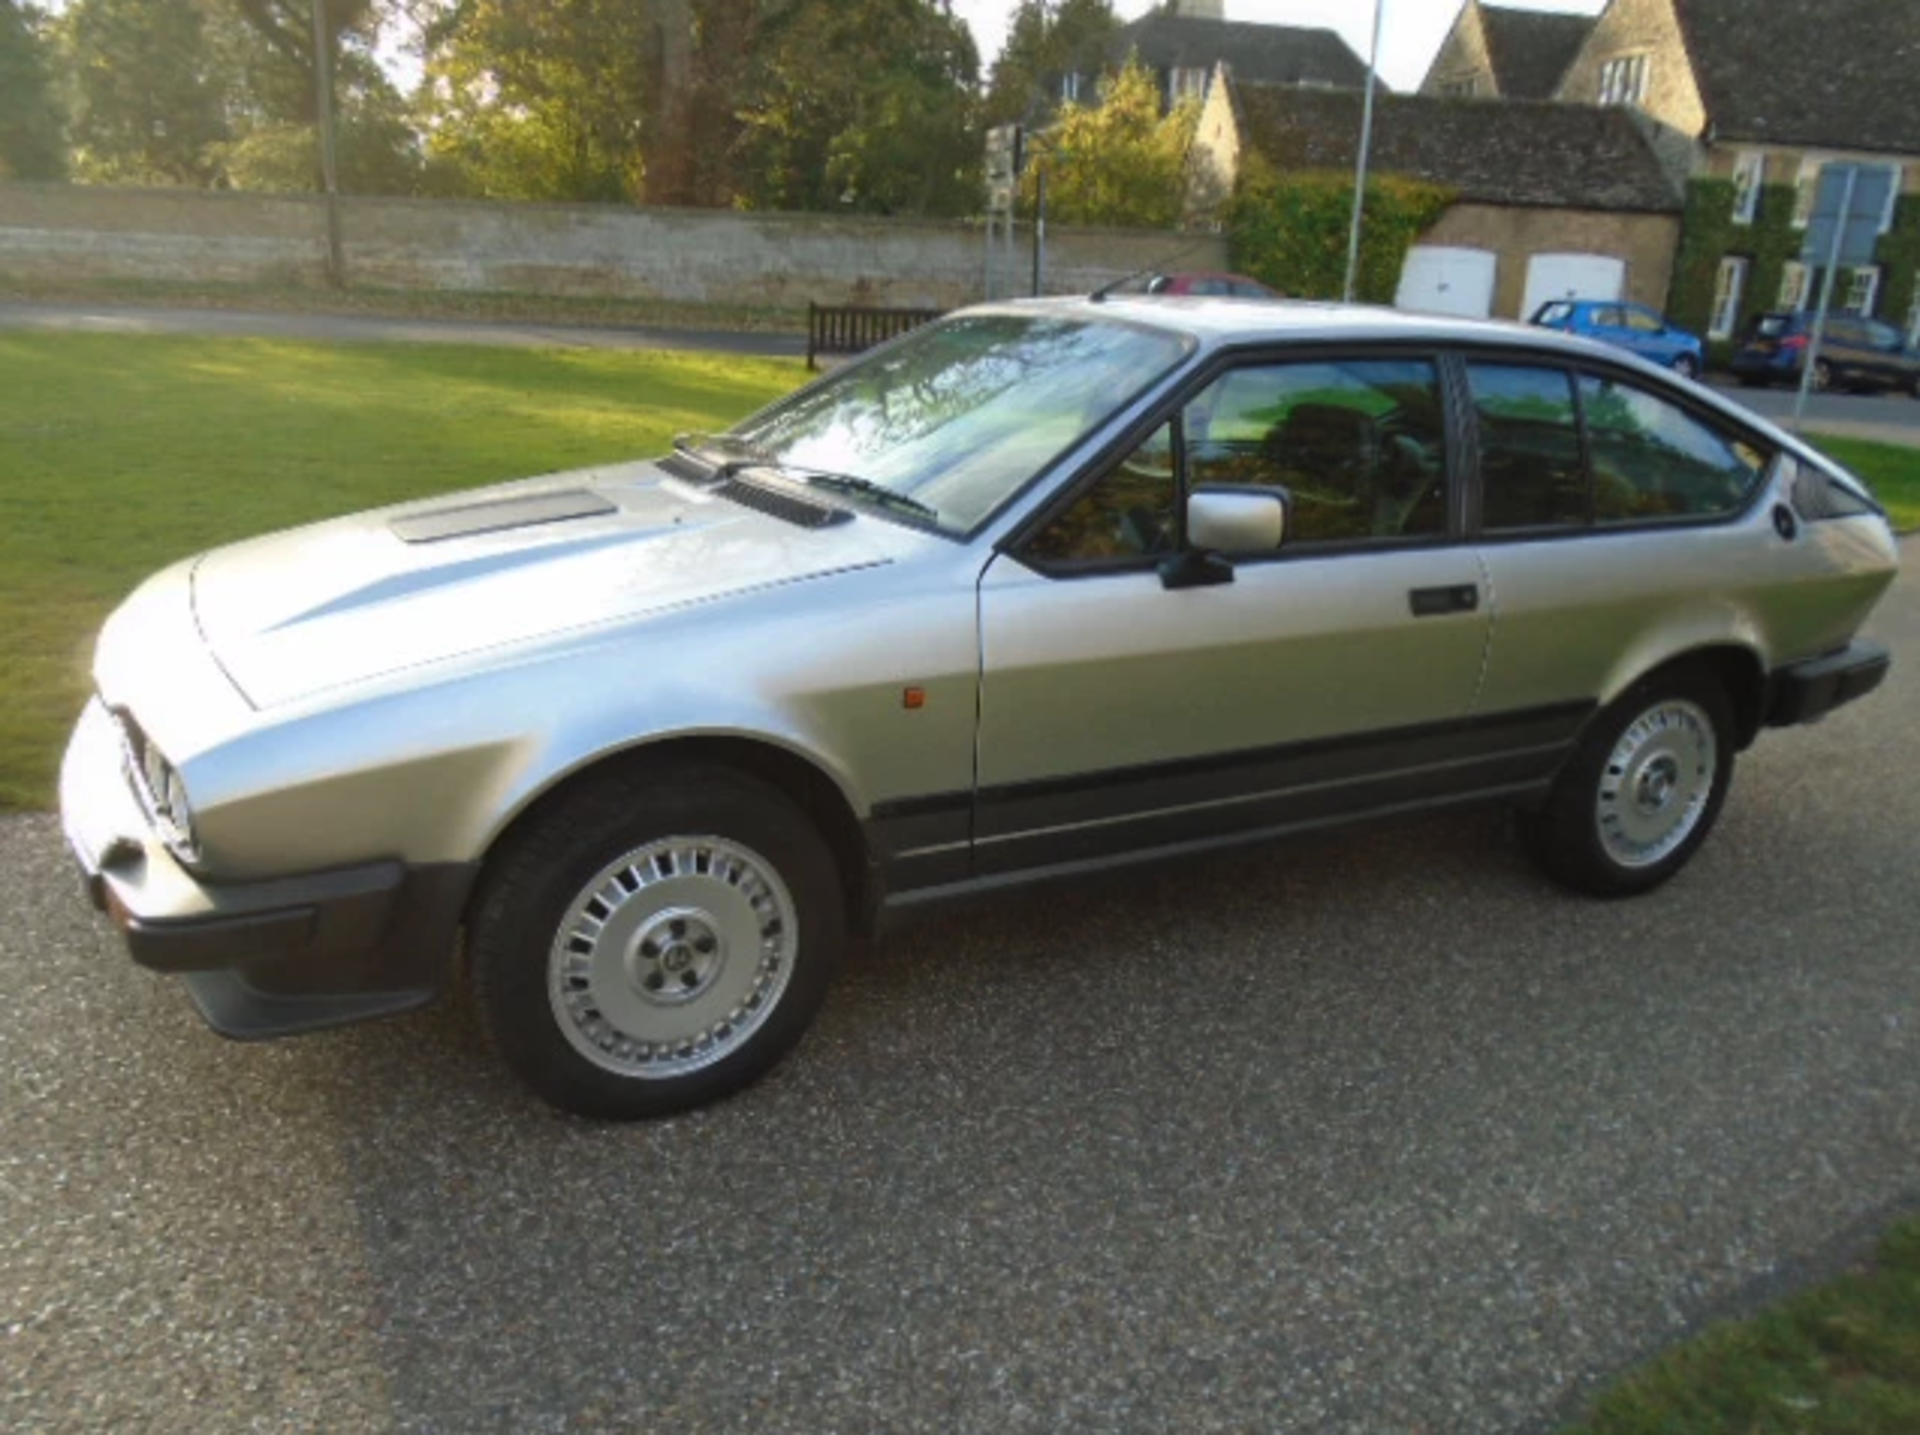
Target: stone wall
(702,256)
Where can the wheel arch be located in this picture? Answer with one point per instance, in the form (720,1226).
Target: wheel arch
(804,783)
(1739,672)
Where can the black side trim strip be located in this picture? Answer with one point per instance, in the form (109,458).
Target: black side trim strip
(906,897)
(1274,811)
(1319,759)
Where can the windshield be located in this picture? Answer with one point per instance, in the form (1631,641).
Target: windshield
(961,415)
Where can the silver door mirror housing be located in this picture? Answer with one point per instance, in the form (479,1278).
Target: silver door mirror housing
(1233,520)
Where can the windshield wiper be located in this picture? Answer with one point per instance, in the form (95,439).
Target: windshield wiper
(861,487)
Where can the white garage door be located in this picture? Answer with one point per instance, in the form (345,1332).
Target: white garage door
(1572,276)
(1441,280)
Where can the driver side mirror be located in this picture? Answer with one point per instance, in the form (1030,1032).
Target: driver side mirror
(1236,520)
(1226,522)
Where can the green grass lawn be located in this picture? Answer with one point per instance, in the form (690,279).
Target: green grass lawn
(1841,1359)
(119,454)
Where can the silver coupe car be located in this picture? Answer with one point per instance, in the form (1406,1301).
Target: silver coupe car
(1039,589)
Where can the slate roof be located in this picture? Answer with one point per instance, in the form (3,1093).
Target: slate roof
(1525,153)
(1531,49)
(1260,54)
(1814,73)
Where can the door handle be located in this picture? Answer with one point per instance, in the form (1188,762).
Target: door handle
(1436,602)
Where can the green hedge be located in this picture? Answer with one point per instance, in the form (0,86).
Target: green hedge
(1291,230)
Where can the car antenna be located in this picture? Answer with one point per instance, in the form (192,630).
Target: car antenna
(1099,296)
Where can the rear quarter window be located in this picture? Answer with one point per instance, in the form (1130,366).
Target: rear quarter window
(1654,460)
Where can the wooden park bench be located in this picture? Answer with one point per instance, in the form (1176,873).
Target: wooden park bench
(851,328)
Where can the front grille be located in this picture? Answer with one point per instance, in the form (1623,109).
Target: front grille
(155,784)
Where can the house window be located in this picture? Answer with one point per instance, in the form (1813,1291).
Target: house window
(1623,80)
(1070,87)
(1749,170)
(1806,189)
(1460,89)
(1187,80)
(1794,281)
(1862,290)
(1728,285)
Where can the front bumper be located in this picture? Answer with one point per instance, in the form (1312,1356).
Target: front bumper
(1807,692)
(260,959)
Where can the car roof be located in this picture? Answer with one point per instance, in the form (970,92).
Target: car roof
(1231,321)
(1219,323)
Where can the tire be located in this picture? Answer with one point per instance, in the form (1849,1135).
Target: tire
(1822,377)
(1642,790)
(1686,366)
(655,942)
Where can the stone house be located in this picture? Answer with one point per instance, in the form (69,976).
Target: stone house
(1185,43)
(1756,97)
(1550,198)
(1493,52)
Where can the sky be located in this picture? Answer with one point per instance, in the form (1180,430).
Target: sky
(1410,30)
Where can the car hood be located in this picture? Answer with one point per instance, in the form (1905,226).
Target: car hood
(297,613)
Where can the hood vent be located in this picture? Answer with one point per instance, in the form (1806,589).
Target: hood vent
(781,505)
(470,519)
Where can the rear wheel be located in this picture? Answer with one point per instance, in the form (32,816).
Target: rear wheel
(655,942)
(1686,366)
(1642,791)
(1822,377)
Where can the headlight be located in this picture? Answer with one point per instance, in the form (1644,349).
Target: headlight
(158,785)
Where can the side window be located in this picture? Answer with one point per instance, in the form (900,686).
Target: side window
(1640,321)
(1129,513)
(1358,444)
(1531,471)
(1653,459)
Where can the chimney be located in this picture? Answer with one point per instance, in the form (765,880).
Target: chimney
(1201,9)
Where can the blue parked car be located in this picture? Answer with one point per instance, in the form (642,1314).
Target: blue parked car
(1633,327)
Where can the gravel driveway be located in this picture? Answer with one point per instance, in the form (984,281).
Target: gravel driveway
(1372,1134)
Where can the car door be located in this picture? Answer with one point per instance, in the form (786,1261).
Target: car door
(1124,708)
(1601,513)
(1645,333)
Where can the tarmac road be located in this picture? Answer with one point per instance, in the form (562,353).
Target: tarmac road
(1370,1134)
(371,329)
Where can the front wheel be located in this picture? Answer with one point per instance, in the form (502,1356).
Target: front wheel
(1686,366)
(1642,791)
(655,941)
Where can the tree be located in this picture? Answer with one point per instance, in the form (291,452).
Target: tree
(1046,40)
(540,99)
(864,105)
(30,142)
(1119,160)
(149,99)
(768,104)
